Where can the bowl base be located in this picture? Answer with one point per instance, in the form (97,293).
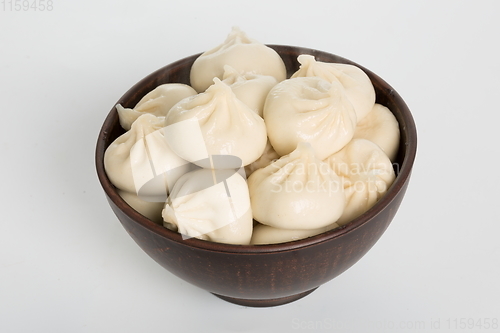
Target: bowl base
(260,303)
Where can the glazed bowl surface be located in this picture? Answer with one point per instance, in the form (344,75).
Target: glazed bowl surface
(261,275)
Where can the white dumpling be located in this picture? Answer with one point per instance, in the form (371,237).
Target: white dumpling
(141,162)
(358,86)
(151,210)
(264,234)
(381,127)
(250,88)
(309,109)
(211,205)
(215,123)
(240,52)
(268,156)
(157,102)
(366,172)
(298,191)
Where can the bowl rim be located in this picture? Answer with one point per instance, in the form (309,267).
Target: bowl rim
(399,183)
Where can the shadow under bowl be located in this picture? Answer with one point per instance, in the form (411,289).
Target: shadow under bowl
(261,275)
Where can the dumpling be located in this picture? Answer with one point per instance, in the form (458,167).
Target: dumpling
(298,191)
(211,205)
(157,102)
(151,210)
(309,109)
(240,52)
(264,234)
(141,162)
(215,123)
(366,172)
(358,86)
(250,88)
(268,156)
(381,127)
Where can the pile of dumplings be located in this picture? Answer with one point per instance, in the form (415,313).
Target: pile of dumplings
(245,155)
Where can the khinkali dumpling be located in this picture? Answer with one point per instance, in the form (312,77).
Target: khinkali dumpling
(298,191)
(309,109)
(211,205)
(358,86)
(381,127)
(157,102)
(240,52)
(141,162)
(215,123)
(366,172)
(250,88)
(151,210)
(264,234)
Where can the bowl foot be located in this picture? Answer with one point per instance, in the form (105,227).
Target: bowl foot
(265,302)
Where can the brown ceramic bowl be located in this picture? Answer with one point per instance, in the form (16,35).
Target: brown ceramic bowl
(263,275)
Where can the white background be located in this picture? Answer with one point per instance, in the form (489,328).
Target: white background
(67,265)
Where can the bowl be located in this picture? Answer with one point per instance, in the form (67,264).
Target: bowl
(261,275)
